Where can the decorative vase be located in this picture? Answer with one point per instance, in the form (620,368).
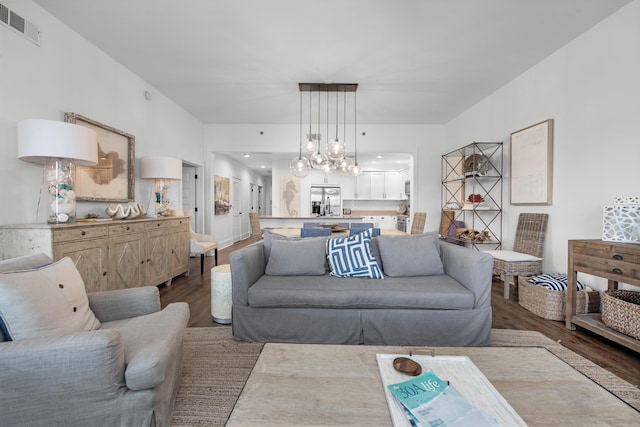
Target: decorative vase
(61,198)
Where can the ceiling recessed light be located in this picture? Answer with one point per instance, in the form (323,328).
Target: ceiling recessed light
(262,167)
(247,155)
(379,156)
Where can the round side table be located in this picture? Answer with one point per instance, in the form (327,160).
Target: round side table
(221,294)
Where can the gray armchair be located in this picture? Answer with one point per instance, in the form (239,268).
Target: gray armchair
(126,373)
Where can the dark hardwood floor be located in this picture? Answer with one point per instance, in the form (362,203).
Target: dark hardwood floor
(507,314)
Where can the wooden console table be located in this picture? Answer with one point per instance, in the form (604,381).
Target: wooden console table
(109,255)
(616,262)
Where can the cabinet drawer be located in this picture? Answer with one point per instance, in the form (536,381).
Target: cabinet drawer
(614,262)
(166,223)
(125,228)
(79,233)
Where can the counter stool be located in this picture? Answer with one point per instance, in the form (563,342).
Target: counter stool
(221,294)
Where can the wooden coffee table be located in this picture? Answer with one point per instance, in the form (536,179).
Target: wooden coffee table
(313,384)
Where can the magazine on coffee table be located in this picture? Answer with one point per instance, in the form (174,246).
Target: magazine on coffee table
(429,401)
(468,390)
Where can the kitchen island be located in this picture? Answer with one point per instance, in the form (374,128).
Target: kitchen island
(268,221)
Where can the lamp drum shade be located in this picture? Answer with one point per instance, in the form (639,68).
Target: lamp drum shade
(160,168)
(40,140)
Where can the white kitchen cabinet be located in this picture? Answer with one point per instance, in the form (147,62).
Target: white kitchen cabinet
(378,186)
(349,190)
(393,186)
(363,186)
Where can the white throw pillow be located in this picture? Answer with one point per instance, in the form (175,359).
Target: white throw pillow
(510,256)
(44,302)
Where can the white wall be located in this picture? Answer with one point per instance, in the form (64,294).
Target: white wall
(221,226)
(591,89)
(67,74)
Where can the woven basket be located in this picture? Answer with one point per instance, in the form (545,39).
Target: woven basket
(621,311)
(550,304)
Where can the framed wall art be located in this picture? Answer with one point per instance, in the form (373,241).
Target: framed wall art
(221,195)
(113,178)
(289,196)
(532,164)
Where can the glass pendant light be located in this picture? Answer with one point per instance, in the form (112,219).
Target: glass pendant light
(300,166)
(311,144)
(336,149)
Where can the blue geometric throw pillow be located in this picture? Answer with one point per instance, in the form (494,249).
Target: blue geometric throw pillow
(554,281)
(352,257)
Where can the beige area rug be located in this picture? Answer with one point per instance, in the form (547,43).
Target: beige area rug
(216,368)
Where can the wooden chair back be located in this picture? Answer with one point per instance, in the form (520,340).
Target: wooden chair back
(417,225)
(530,233)
(254,220)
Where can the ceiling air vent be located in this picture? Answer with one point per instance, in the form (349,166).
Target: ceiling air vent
(20,25)
(4,14)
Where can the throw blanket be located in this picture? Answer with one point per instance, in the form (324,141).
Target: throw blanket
(554,281)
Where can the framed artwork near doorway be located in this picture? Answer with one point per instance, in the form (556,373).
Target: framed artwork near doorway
(221,195)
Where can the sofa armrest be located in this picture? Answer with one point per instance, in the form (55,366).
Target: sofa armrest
(57,380)
(247,266)
(124,303)
(473,269)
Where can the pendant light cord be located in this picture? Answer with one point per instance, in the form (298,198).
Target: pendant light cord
(355,126)
(300,153)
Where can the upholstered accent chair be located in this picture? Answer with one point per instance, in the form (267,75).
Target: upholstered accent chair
(526,257)
(110,358)
(201,244)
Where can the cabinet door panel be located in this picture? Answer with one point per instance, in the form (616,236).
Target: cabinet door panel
(377,186)
(363,186)
(90,258)
(179,248)
(392,188)
(157,250)
(126,261)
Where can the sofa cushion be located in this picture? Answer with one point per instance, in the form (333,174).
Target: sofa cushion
(304,257)
(427,292)
(267,241)
(44,302)
(353,256)
(414,255)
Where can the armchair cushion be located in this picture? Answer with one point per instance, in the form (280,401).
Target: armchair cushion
(151,343)
(124,303)
(44,302)
(512,256)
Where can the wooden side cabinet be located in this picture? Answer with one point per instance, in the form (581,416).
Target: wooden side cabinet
(111,254)
(616,262)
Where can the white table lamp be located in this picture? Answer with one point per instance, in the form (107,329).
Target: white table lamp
(162,170)
(59,146)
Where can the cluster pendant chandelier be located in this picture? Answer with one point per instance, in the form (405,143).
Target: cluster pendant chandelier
(333,157)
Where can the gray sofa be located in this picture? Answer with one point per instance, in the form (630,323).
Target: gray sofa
(450,308)
(125,371)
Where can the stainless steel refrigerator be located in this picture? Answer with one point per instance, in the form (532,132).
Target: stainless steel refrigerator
(326,200)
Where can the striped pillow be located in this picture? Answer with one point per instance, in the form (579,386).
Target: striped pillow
(554,281)
(352,257)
